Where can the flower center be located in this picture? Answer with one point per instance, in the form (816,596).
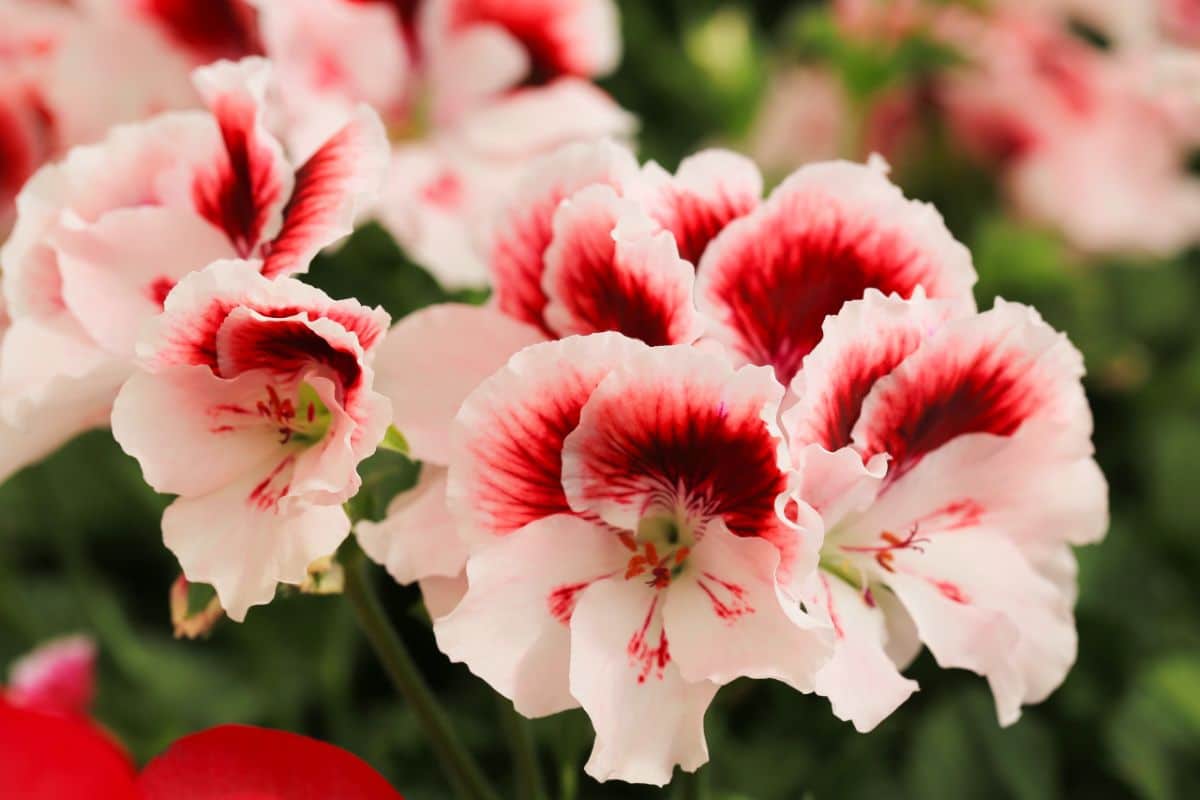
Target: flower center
(304,421)
(660,548)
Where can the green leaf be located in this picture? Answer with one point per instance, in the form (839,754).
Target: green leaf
(394,440)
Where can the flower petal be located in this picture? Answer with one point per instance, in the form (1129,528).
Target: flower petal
(433,359)
(862,683)
(244,192)
(647,717)
(523,231)
(709,190)
(991,373)
(418,539)
(826,235)
(979,605)
(35,747)
(506,467)
(607,270)
(242,761)
(678,424)
(862,343)
(511,628)
(252,549)
(117,271)
(726,617)
(333,187)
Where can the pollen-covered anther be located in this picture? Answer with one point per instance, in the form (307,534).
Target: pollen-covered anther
(885,553)
(660,548)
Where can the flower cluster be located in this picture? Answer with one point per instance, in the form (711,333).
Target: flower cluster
(736,437)
(700,432)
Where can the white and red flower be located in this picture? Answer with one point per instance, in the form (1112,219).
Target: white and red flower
(471,90)
(621,505)
(255,405)
(103,237)
(949,454)
(592,243)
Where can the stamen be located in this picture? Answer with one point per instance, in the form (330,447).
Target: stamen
(885,554)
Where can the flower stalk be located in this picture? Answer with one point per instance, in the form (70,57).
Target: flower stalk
(457,763)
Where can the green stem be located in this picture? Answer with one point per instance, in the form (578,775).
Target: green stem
(527,772)
(457,763)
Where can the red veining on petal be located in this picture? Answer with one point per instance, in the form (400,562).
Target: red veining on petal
(695,221)
(520,456)
(446,191)
(538,25)
(517,255)
(671,443)
(951,591)
(562,599)
(517,263)
(158,289)
(834,617)
(238,192)
(793,263)
(986,390)
(646,654)
(729,601)
(965,513)
(322,191)
(286,347)
(267,493)
(857,370)
(212,29)
(601,293)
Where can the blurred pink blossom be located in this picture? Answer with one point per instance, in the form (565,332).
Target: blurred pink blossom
(470,91)
(57,677)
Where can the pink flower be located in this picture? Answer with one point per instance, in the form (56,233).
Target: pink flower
(254,405)
(949,454)
(626,549)
(470,89)
(58,677)
(1088,141)
(103,237)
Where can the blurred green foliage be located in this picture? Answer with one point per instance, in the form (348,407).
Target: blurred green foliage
(80,548)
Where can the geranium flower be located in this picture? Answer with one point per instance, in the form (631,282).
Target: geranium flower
(621,505)
(949,454)
(471,89)
(50,757)
(103,237)
(254,405)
